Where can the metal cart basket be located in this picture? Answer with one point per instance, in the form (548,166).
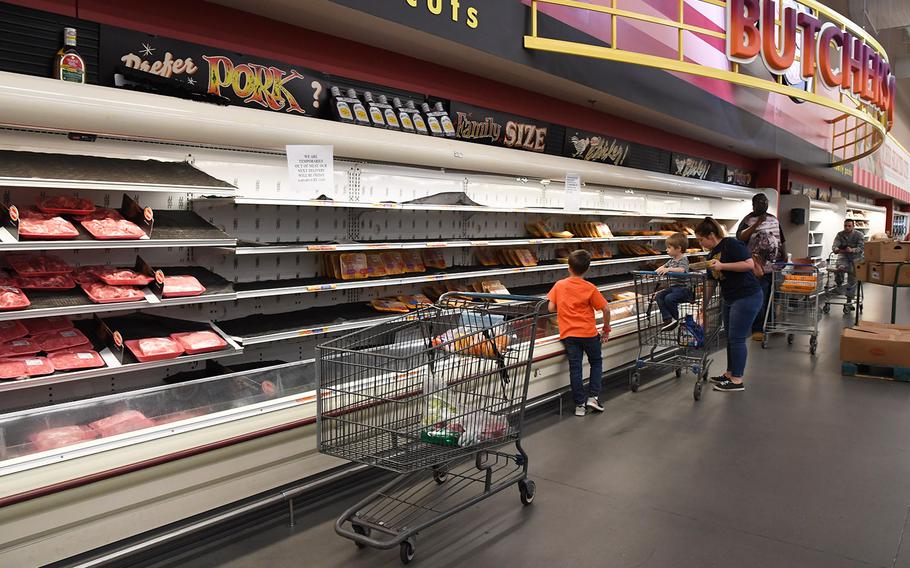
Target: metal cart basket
(841,267)
(430,395)
(793,305)
(685,346)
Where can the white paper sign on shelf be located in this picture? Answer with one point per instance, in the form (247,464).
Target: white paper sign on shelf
(312,172)
(573,192)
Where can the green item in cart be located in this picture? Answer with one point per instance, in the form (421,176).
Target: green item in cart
(440,437)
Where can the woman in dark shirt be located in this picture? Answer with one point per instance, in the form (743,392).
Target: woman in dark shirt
(731,265)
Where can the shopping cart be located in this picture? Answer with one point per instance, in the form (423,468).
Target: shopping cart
(430,395)
(841,267)
(686,346)
(793,305)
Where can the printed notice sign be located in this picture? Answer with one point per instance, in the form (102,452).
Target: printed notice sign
(573,192)
(311,171)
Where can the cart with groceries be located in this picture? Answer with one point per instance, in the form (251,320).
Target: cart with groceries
(434,396)
(682,347)
(793,307)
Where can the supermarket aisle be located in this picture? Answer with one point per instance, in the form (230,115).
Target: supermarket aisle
(805,469)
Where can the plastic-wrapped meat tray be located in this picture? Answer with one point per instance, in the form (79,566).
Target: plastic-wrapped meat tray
(154,349)
(113,276)
(34,224)
(196,342)
(47,283)
(10,330)
(38,264)
(66,205)
(6,279)
(13,299)
(182,286)
(101,293)
(88,274)
(19,347)
(120,423)
(54,438)
(76,360)
(113,229)
(61,339)
(12,369)
(44,325)
(36,366)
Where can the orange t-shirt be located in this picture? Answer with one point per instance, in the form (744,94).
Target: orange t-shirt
(576,299)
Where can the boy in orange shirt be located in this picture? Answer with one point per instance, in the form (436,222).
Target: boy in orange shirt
(574,300)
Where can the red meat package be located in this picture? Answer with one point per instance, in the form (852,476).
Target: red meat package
(38,264)
(54,438)
(88,274)
(75,360)
(123,277)
(19,347)
(12,369)
(113,229)
(7,280)
(34,224)
(120,423)
(10,330)
(35,366)
(154,349)
(13,298)
(101,293)
(180,286)
(194,342)
(44,325)
(61,282)
(61,339)
(66,205)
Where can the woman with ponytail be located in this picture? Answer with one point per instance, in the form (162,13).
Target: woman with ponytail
(731,266)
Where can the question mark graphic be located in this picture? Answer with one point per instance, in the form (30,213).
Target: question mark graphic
(318,92)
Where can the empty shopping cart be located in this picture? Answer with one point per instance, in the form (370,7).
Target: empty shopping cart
(685,346)
(793,305)
(430,395)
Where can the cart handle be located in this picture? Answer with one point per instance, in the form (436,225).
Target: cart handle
(668,274)
(486,296)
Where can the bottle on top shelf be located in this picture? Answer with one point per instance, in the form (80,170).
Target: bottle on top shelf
(404,117)
(342,109)
(445,120)
(432,120)
(391,119)
(360,113)
(419,123)
(377,119)
(68,64)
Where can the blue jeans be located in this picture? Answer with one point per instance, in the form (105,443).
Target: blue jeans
(759,323)
(669,300)
(738,317)
(576,349)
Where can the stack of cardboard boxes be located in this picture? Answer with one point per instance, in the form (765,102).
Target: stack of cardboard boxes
(883,263)
(877,345)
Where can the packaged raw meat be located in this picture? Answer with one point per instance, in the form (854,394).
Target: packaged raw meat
(394,264)
(12,298)
(44,325)
(12,369)
(101,293)
(38,265)
(353,266)
(113,229)
(486,256)
(195,342)
(54,438)
(154,348)
(525,258)
(61,339)
(181,286)
(19,347)
(412,261)
(389,305)
(7,280)
(433,259)
(77,359)
(35,366)
(415,301)
(88,274)
(10,330)
(120,423)
(61,282)
(66,205)
(375,266)
(123,277)
(34,224)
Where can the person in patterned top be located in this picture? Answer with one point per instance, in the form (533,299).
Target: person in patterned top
(765,240)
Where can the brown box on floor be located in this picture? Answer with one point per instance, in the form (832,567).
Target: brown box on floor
(876,344)
(862,271)
(887,251)
(888,274)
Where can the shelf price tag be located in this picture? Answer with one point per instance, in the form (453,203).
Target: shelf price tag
(322,247)
(437,245)
(322,287)
(311,170)
(573,192)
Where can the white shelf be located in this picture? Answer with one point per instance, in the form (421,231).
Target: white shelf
(82,185)
(9,244)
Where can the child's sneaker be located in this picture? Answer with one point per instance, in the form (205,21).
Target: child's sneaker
(580,410)
(594,404)
(670,326)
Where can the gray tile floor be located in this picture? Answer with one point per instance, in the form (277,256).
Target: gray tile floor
(805,469)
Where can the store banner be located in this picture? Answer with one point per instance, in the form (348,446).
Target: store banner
(486,126)
(739,176)
(180,68)
(699,168)
(592,147)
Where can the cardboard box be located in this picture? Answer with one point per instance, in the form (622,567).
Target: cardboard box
(862,271)
(887,251)
(887,274)
(876,344)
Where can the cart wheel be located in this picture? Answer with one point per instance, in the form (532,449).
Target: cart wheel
(764,343)
(527,489)
(696,393)
(440,476)
(827,308)
(813,344)
(363,531)
(678,373)
(789,339)
(634,381)
(407,551)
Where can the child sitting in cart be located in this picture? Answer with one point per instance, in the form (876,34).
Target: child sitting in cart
(574,300)
(669,299)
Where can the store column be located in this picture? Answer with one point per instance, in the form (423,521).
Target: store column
(888,204)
